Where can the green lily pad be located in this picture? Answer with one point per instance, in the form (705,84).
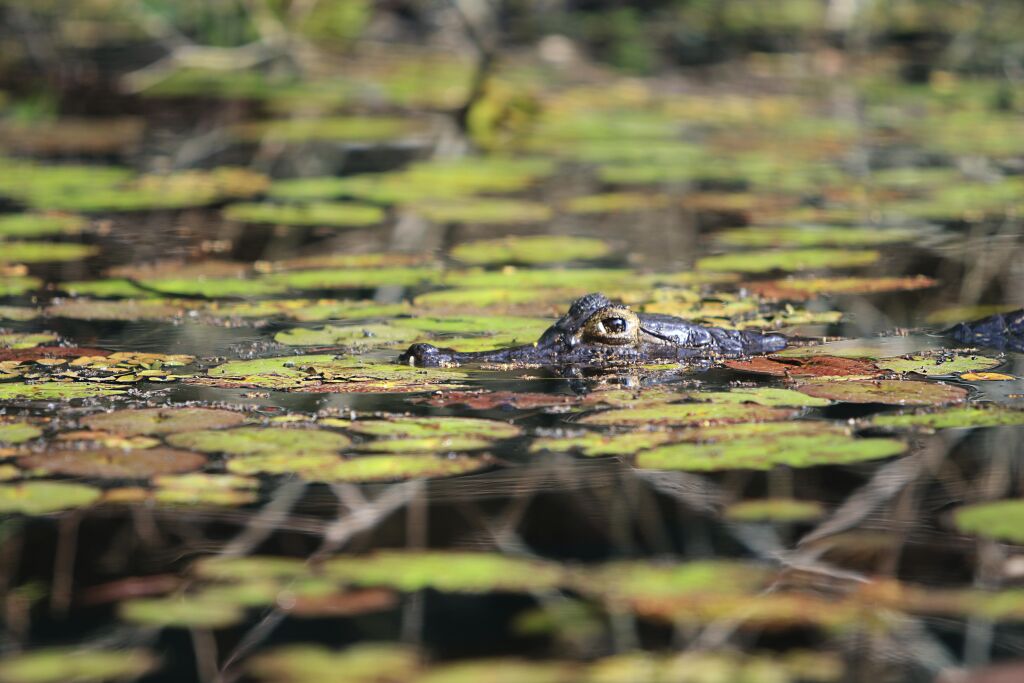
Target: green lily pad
(625,581)
(788,259)
(199,488)
(112,288)
(353,278)
(939,363)
(214,287)
(169,420)
(25,340)
(286,462)
(768,451)
(183,612)
(260,440)
(765,396)
(42,497)
(1000,520)
(431,427)
(45,252)
(113,463)
(362,663)
(333,214)
(451,572)
(688,413)
(965,417)
(578,279)
(483,211)
(779,510)
(530,250)
(427,444)
(369,468)
(814,236)
(887,391)
(76,665)
(55,391)
(13,286)
(598,444)
(504,670)
(18,432)
(616,202)
(39,225)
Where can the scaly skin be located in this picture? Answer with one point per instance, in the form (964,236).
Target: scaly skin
(597,333)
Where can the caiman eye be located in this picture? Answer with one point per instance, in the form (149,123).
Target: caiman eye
(615,325)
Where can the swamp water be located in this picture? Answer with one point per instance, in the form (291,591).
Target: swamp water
(214,469)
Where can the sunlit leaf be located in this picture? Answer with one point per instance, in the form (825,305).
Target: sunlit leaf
(42,497)
(530,250)
(887,391)
(168,420)
(791,259)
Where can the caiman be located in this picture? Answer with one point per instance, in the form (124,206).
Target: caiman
(597,332)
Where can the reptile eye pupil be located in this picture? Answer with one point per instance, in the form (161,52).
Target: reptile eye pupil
(615,325)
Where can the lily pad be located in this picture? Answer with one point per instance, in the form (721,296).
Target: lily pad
(113,463)
(333,214)
(169,420)
(76,665)
(779,510)
(14,286)
(814,236)
(765,396)
(25,340)
(688,414)
(419,427)
(369,468)
(1001,520)
(887,391)
(39,225)
(939,363)
(788,259)
(377,334)
(768,451)
(43,497)
(965,417)
(810,366)
(452,572)
(19,313)
(616,202)
(55,391)
(353,278)
(183,612)
(362,663)
(18,432)
(802,289)
(598,444)
(286,462)
(530,250)
(483,211)
(45,252)
(198,488)
(260,440)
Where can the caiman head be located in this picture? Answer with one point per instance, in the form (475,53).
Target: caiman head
(597,332)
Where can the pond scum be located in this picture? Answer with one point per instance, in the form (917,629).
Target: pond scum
(214,468)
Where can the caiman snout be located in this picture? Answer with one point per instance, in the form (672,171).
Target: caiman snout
(426,356)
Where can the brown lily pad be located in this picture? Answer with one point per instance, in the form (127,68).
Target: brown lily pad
(38,352)
(113,463)
(888,391)
(812,366)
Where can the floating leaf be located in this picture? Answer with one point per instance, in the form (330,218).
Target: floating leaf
(483,211)
(45,252)
(113,463)
(765,396)
(353,278)
(184,612)
(768,451)
(39,224)
(966,417)
(19,313)
(453,572)
(169,420)
(787,259)
(260,440)
(18,432)
(362,663)
(55,391)
(13,286)
(780,510)
(999,519)
(418,427)
(688,413)
(530,250)
(76,665)
(333,214)
(597,444)
(887,391)
(939,363)
(627,581)
(25,340)
(286,462)
(802,289)
(198,488)
(814,236)
(370,468)
(42,497)
(616,202)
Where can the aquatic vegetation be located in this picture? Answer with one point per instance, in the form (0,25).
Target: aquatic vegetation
(333,214)
(792,259)
(530,250)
